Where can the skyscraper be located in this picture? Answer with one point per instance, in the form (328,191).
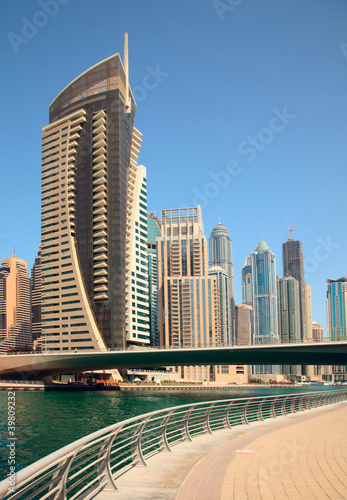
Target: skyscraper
(15,310)
(264,295)
(337,318)
(265,326)
(89,182)
(246,283)
(288,309)
(36,298)
(188,296)
(224,303)
(293,265)
(153,229)
(221,254)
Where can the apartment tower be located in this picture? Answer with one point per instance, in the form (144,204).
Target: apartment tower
(293,265)
(337,318)
(89,204)
(15,310)
(221,254)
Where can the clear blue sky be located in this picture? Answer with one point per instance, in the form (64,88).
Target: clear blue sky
(248,94)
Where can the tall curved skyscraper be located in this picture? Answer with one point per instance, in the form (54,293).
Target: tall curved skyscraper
(221,254)
(93,214)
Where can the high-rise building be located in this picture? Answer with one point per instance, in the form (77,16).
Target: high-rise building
(224,303)
(89,206)
(317,332)
(15,310)
(293,265)
(36,298)
(137,323)
(288,309)
(337,318)
(221,254)
(264,295)
(265,325)
(288,312)
(246,283)
(154,232)
(188,296)
(244,319)
(308,311)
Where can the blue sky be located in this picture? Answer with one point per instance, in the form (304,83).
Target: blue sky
(242,105)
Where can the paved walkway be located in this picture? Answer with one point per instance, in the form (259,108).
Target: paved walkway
(301,456)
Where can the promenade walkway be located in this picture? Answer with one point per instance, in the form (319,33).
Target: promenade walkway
(301,456)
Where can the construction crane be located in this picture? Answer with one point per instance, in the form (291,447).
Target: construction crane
(291,229)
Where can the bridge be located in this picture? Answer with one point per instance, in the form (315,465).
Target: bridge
(39,365)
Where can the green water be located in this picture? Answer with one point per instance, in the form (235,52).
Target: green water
(46,421)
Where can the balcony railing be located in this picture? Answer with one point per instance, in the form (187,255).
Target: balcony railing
(94,463)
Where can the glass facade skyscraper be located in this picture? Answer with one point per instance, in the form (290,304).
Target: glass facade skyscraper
(264,295)
(221,254)
(293,265)
(246,283)
(337,318)
(92,191)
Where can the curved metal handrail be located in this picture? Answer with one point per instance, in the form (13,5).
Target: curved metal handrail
(93,463)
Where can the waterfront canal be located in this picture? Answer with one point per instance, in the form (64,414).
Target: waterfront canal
(46,421)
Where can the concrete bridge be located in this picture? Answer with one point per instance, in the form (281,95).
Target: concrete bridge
(39,365)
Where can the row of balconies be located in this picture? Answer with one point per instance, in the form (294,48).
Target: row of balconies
(100,207)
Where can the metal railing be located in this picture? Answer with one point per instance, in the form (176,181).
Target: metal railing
(94,463)
(308,340)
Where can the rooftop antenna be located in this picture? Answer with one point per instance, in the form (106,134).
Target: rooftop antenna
(291,229)
(126,70)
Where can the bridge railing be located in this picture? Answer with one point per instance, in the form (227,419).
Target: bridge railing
(94,463)
(308,340)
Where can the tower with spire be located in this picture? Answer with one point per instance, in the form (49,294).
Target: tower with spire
(94,214)
(221,254)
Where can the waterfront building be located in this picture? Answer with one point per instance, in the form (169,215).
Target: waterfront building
(246,283)
(288,309)
(288,312)
(92,192)
(337,318)
(15,310)
(244,320)
(224,303)
(188,296)
(36,297)
(293,265)
(308,370)
(221,254)
(265,322)
(317,332)
(264,295)
(137,322)
(154,232)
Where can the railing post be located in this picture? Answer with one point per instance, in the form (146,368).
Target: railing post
(59,478)
(260,410)
(273,412)
(226,422)
(244,413)
(136,452)
(207,419)
(163,442)
(103,467)
(185,427)
(284,409)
